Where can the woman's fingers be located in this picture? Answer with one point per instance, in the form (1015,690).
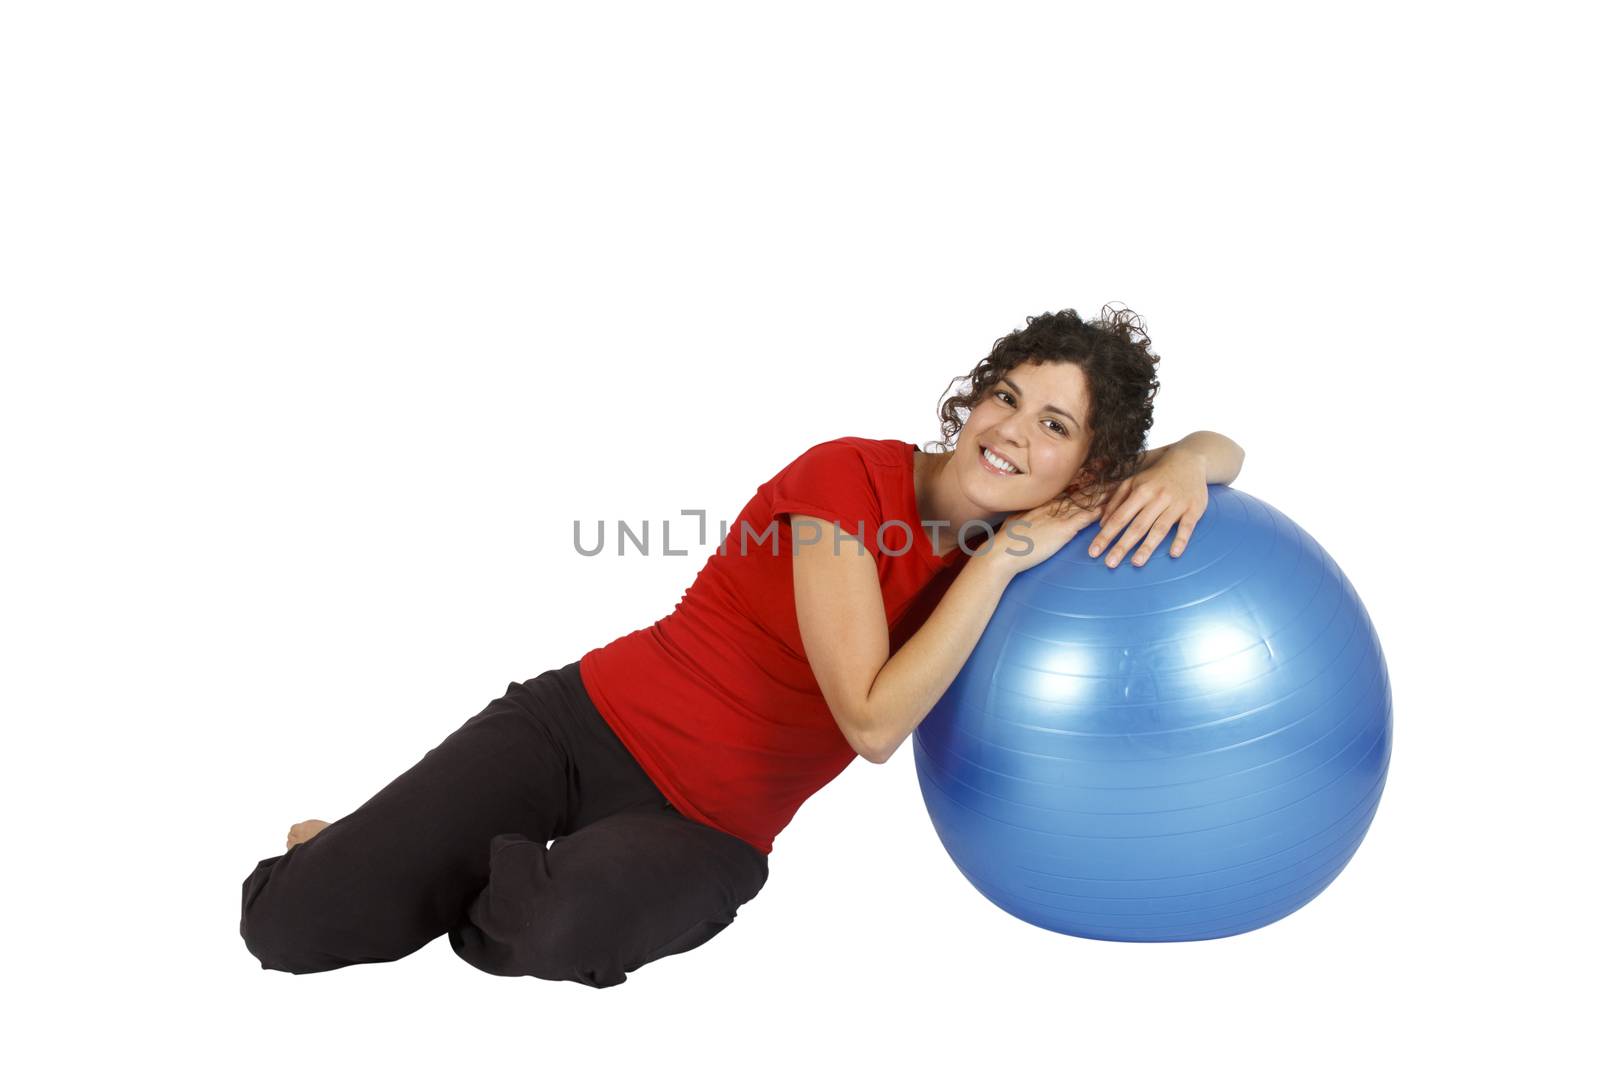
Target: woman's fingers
(1181,540)
(1138,529)
(1110,522)
(1158,534)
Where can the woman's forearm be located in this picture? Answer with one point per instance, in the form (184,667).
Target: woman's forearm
(915,677)
(1222,456)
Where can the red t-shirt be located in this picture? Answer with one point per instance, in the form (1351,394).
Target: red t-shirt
(717,701)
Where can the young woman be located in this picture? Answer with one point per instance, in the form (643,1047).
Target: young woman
(622,808)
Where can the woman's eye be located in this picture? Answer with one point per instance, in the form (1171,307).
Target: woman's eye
(1060,429)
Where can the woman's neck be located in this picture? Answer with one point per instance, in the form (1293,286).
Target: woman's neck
(941,505)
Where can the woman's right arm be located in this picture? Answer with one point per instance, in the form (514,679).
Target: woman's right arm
(878,699)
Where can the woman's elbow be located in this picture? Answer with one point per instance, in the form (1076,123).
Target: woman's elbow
(874,749)
(869,747)
(872,756)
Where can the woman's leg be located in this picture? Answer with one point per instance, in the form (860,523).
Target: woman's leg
(402,869)
(622,891)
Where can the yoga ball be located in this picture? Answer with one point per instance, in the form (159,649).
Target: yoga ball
(1185,750)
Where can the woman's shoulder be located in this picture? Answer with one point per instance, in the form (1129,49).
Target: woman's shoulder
(856,474)
(878,451)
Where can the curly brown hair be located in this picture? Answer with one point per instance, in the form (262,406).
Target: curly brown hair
(1114,353)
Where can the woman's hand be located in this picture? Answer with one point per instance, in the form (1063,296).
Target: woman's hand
(1171,490)
(1028,538)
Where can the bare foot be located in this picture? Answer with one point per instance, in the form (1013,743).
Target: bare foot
(301,832)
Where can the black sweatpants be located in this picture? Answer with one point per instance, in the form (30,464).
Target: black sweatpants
(457,845)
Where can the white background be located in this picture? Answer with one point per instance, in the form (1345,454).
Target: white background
(323,321)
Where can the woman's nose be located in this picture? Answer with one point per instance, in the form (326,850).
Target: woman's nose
(1014,428)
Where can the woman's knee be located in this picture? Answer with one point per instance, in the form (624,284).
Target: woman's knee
(300,924)
(558,940)
(270,925)
(573,941)
(559,952)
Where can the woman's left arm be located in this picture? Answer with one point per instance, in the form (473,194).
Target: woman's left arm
(1222,455)
(1169,488)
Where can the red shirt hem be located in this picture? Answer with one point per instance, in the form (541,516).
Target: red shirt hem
(655,773)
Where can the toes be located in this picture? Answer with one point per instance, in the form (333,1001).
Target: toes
(301,832)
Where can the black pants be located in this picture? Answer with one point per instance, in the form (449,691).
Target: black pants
(458,845)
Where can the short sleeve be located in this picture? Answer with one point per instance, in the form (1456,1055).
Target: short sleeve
(834,482)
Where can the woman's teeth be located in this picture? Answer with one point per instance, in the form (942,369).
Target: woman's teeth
(998,463)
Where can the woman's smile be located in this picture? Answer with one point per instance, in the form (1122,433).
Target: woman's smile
(997,462)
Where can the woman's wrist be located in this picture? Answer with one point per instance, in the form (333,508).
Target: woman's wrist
(1219,457)
(993,562)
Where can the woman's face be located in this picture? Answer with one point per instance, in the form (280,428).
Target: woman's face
(1035,418)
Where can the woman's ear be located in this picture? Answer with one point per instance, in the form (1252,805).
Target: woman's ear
(1086,489)
(1081,482)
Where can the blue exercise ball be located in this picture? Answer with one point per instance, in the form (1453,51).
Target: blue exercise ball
(1185,750)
